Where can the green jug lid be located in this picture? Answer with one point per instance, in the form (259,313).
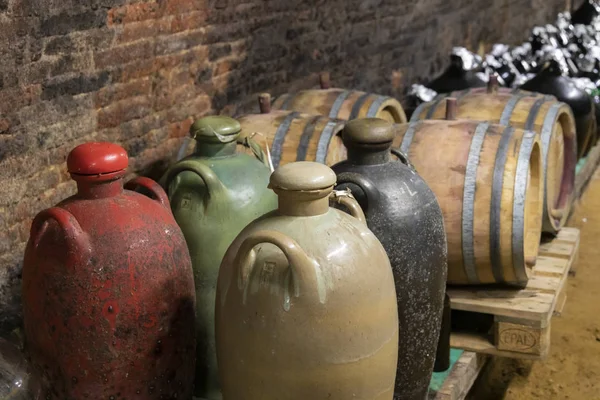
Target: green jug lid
(302,176)
(215,129)
(367,131)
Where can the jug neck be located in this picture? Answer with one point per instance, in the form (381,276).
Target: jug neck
(204,149)
(97,188)
(358,156)
(303,204)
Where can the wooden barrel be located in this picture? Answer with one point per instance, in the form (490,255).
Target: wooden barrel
(293,136)
(488,180)
(342,104)
(551,119)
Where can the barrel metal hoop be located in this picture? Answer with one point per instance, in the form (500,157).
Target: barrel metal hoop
(496,204)
(339,101)
(374,107)
(324,141)
(277,146)
(307,134)
(534,111)
(418,111)
(408,136)
(468,212)
(510,107)
(436,103)
(520,192)
(358,105)
(289,97)
(545,138)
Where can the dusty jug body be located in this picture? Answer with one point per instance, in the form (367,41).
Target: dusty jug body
(306,306)
(108,291)
(404,214)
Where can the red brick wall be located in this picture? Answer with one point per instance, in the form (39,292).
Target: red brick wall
(137,72)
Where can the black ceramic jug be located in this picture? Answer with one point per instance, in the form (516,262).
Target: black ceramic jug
(404,214)
(459,75)
(550,81)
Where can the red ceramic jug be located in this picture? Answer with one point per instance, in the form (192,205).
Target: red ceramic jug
(108,291)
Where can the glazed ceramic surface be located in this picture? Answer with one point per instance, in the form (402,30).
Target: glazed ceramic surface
(306,306)
(404,214)
(108,291)
(214,194)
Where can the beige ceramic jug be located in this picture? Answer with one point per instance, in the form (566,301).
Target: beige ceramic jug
(306,304)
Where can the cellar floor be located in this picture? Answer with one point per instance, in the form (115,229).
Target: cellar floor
(572,370)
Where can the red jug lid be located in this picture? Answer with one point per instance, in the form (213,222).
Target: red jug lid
(97,158)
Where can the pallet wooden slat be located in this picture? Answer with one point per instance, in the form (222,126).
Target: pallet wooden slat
(461,377)
(521,317)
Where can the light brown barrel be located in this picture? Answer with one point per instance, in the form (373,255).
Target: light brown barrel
(551,119)
(488,181)
(293,136)
(342,104)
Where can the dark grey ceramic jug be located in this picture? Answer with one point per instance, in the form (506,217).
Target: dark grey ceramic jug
(404,214)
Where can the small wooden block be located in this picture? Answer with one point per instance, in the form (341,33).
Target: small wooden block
(462,376)
(521,338)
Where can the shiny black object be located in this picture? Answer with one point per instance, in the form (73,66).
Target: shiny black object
(404,214)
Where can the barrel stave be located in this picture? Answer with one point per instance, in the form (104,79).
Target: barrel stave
(293,136)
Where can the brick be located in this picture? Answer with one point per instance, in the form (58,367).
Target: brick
(184,6)
(139,127)
(134,70)
(218,51)
(120,91)
(178,42)
(199,106)
(134,12)
(19,97)
(180,129)
(123,111)
(68,63)
(174,96)
(74,85)
(224,67)
(64,22)
(188,21)
(144,29)
(90,40)
(5,125)
(124,54)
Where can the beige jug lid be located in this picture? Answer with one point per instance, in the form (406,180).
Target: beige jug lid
(302,176)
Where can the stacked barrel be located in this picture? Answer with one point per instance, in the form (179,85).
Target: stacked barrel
(307,125)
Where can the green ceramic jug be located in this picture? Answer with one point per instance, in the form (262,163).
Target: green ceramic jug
(214,194)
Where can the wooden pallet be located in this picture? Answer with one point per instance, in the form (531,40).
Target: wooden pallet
(462,375)
(516,322)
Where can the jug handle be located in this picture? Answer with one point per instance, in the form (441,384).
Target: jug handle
(304,273)
(157,192)
(78,243)
(212,182)
(347,200)
(365,184)
(403,158)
